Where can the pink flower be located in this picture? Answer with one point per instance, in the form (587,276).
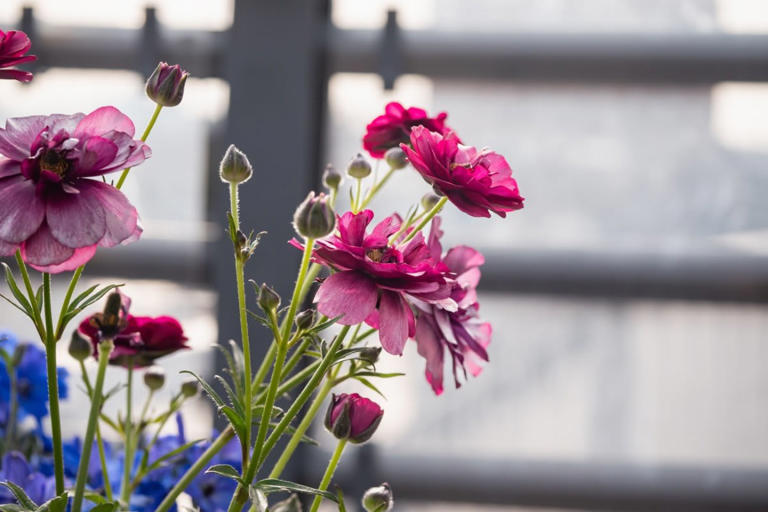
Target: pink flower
(51,207)
(138,340)
(13,46)
(353,417)
(477,182)
(373,279)
(394,127)
(458,332)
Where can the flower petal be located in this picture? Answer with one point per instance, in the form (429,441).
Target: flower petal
(21,209)
(350,294)
(97,153)
(120,215)
(430,348)
(394,322)
(103,120)
(75,220)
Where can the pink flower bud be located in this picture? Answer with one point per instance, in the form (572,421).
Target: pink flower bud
(166,84)
(353,417)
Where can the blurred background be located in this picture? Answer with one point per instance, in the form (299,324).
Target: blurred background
(628,299)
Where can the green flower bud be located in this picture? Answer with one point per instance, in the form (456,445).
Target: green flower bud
(305,319)
(269,300)
(331,178)
(396,158)
(190,387)
(378,499)
(79,347)
(165,85)
(428,201)
(370,354)
(154,377)
(235,167)
(314,218)
(359,167)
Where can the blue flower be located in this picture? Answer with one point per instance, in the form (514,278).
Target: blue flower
(39,488)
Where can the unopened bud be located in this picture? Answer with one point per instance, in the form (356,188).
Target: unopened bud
(353,417)
(378,499)
(370,354)
(154,377)
(305,319)
(79,347)
(396,158)
(190,387)
(428,201)
(110,322)
(314,218)
(359,167)
(292,504)
(235,167)
(331,177)
(165,85)
(269,300)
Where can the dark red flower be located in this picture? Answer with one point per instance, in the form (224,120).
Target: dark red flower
(139,339)
(373,278)
(477,182)
(353,417)
(457,331)
(13,45)
(394,127)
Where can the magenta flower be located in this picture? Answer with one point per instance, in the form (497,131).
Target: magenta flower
(51,207)
(394,127)
(353,417)
(459,331)
(373,279)
(138,340)
(13,45)
(477,182)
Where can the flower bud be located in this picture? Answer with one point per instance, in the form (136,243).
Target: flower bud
(396,158)
(114,317)
(359,167)
(370,354)
(428,201)
(235,167)
(331,178)
(378,499)
(305,319)
(292,504)
(269,300)
(166,84)
(154,377)
(352,417)
(190,387)
(314,218)
(79,347)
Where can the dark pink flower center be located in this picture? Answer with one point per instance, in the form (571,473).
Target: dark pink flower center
(54,161)
(381,254)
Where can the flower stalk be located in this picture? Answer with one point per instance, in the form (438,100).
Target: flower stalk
(53,386)
(144,136)
(125,487)
(329,471)
(428,217)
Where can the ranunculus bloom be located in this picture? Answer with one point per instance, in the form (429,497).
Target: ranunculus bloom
(394,127)
(54,205)
(139,340)
(477,182)
(458,332)
(353,417)
(13,45)
(373,279)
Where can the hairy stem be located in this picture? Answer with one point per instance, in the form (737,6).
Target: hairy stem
(144,136)
(53,386)
(329,471)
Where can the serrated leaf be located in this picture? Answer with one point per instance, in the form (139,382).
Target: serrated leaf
(233,398)
(21,496)
(365,382)
(237,421)
(208,389)
(271,485)
(225,470)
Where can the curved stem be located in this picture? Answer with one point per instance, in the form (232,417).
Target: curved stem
(67,298)
(376,187)
(434,211)
(105,348)
(125,486)
(99,440)
(53,386)
(144,136)
(329,471)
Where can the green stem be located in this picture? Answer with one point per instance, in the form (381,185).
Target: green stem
(376,187)
(144,136)
(67,298)
(293,443)
(329,471)
(99,440)
(31,293)
(105,348)
(357,198)
(434,211)
(53,386)
(296,298)
(13,407)
(125,486)
(226,435)
(240,278)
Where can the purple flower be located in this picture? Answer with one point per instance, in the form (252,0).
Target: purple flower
(394,127)
(166,84)
(16,469)
(458,332)
(353,417)
(373,279)
(477,182)
(54,205)
(13,45)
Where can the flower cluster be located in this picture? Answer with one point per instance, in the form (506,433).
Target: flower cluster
(13,47)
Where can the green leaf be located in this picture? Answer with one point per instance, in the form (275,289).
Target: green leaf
(365,382)
(178,451)
(82,296)
(12,507)
(259,501)
(271,485)
(208,389)
(340,496)
(232,363)
(237,421)
(94,497)
(106,507)
(379,374)
(57,504)
(84,300)
(234,399)
(324,325)
(12,303)
(22,300)
(39,298)
(19,494)
(225,470)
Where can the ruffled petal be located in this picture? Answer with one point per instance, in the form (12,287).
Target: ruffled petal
(431,349)
(394,322)
(103,120)
(21,209)
(350,294)
(76,219)
(120,216)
